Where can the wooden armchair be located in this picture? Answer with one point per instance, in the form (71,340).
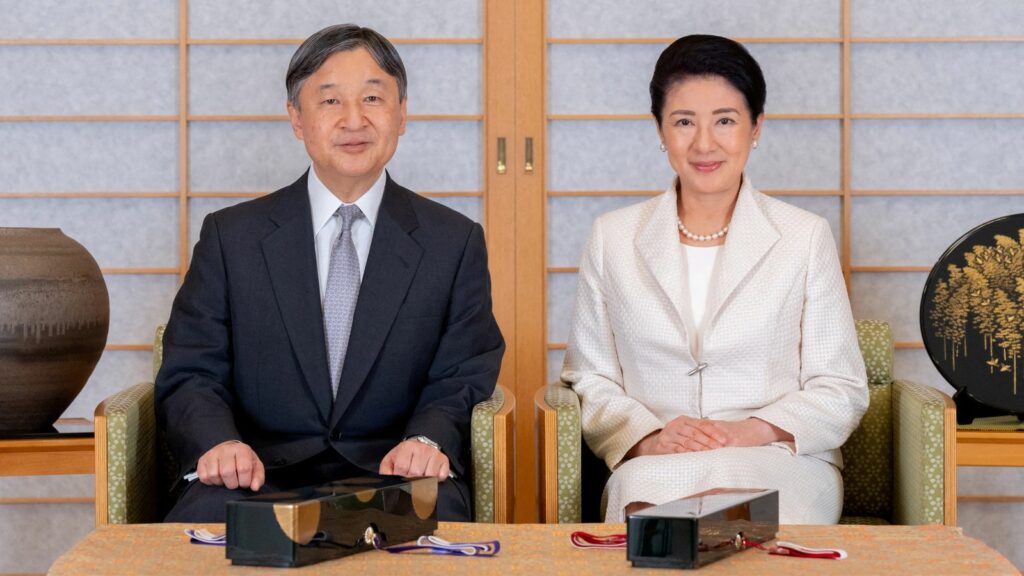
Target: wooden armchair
(900,463)
(134,466)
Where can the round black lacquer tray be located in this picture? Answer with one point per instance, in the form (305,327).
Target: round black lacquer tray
(972,318)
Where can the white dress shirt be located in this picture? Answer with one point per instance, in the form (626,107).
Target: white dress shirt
(326,228)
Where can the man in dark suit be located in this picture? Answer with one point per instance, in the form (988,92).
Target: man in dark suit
(339,326)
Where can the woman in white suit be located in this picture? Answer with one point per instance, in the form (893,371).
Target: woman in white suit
(712,342)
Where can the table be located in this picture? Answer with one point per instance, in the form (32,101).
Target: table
(997,441)
(66,450)
(545,549)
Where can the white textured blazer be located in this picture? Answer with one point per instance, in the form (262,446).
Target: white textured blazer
(777,338)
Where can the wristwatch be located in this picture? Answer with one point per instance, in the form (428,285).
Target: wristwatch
(424,440)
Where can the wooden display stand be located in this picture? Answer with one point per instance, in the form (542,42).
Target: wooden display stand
(997,441)
(49,454)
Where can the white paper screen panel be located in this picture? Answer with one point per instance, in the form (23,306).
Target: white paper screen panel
(244,156)
(570,219)
(916,78)
(614,78)
(22,527)
(928,18)
(915,231)
(143,303)
(88,156)
(915,365)
(93,80)
(438,155)
(561,299)
(891,296)
(300,18)
(117,369)
(94,19)
(118,232)
(671,18)
(937,154)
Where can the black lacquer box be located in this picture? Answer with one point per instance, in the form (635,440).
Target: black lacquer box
(700,529)
(324,522)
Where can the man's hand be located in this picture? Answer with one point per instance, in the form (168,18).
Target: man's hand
(231,464)
(414,459)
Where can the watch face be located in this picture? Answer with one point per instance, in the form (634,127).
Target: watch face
(972,313)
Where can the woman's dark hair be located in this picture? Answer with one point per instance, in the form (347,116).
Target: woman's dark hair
(701,55)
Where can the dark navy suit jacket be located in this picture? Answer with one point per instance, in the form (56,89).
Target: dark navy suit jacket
(244,352)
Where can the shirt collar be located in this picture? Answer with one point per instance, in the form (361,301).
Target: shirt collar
(324,203)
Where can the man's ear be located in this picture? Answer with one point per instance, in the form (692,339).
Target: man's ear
(401,127)
(296,122)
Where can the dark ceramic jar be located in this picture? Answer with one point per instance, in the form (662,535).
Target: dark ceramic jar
(54,316)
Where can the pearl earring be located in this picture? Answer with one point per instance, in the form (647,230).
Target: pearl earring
(755,144)
(663,147)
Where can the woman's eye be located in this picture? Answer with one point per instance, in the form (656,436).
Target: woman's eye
(684,122)
(725,121)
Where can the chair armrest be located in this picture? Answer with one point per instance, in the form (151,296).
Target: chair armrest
(924,458)
(126,467)
(557,411)
(492,439)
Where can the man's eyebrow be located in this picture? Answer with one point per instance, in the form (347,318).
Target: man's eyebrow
(330,85)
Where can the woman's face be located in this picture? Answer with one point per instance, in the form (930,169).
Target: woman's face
(707,131)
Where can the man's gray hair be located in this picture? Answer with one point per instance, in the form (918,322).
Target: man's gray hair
(341,38)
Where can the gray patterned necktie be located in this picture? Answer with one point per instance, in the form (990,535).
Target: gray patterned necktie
(342,293)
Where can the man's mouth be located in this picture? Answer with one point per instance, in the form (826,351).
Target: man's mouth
(353,146)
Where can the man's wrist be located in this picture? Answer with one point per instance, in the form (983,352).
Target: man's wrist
(424,440)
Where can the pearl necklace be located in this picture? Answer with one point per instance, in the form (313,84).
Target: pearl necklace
(701,237)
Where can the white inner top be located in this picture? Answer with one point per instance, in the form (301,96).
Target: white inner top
(700,262)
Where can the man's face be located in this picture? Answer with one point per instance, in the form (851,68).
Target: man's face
(350,118)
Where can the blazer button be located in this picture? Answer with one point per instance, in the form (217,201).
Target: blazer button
(280,462)
(335,435)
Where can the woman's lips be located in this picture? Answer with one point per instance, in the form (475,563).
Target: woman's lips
(706,166)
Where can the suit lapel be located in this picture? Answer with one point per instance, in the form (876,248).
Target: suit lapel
(390,267)
(750,238)
(291,259)
(657,243)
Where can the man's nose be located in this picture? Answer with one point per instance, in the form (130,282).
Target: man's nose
(352,117)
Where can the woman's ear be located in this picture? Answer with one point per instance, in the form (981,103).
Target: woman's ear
(757,126)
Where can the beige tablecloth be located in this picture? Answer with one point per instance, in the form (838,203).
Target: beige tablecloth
(545,549)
